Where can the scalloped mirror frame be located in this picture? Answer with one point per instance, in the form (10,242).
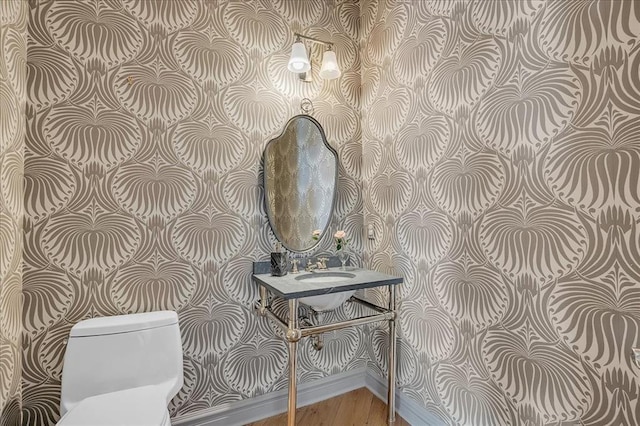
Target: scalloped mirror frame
(276,154)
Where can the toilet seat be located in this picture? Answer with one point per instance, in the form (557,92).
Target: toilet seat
(142,406)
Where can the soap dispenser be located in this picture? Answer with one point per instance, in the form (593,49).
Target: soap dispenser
(279,264)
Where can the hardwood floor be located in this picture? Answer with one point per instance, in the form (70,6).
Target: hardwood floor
(356,408)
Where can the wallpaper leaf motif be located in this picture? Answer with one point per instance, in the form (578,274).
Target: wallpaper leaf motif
(162,17)
(73,25)
(342,345)
(427,329)
(49,303)
(580,305)
(76,241)
(521,240)
(421,225)
(48,186)
(162,190)
(255,367)
(388,113)
(565,25)
(501,16)
(419,53)
(421,144)
(158,95)
(9,121)
(471,292)
(386,35)
(469,184)
(51,76)
(208,146)
(547,369)
(469,398)
(203,55)
(528,111)
(595,167)
(157,285)
(91,133)
(255,25)
(460,79)
(254,109)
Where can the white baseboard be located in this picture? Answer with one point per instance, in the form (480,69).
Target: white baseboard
(264,406)
(273,403)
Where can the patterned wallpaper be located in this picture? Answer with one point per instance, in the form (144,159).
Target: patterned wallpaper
(498,165)
(145,130)
(501,159)
(13,30)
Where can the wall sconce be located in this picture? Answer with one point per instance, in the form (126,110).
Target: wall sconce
(299,61)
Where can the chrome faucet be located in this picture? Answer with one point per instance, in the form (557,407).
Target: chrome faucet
(322,262)
(310,266)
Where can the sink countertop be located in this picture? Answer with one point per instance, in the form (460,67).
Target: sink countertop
(288,287)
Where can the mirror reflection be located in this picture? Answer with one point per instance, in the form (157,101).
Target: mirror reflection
(300,175)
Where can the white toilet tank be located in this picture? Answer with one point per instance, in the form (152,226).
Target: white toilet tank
(121,352)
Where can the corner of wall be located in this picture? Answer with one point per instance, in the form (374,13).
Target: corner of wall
(13,39)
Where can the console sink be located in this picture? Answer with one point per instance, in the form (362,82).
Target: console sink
(322,290)
(326,302)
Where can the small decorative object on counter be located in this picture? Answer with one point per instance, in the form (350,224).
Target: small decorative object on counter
(279,262)
(341,247)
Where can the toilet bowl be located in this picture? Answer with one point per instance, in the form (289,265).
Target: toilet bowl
(121,370)
(142,406)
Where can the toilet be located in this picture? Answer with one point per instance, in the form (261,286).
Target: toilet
(121,370)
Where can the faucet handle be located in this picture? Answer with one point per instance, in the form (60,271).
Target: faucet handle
(294,264)
(323,262)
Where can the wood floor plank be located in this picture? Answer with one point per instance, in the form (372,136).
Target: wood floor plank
(377,413)
(322,413)
(273,421)
(356,408)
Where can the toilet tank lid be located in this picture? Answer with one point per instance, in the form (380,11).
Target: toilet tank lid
(123,323)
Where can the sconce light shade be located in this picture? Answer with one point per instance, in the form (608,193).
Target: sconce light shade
(330,68)
(299,61)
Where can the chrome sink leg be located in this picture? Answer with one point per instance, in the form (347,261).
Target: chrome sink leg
(293,335)
(262,308)
(391,396)
(317,340)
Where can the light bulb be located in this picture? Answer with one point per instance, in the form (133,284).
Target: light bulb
(330,68)
(299,61)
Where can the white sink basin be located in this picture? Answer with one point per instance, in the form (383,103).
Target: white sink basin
(326,302)
(325,277)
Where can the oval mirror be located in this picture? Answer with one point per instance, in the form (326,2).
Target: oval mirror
(300,177)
